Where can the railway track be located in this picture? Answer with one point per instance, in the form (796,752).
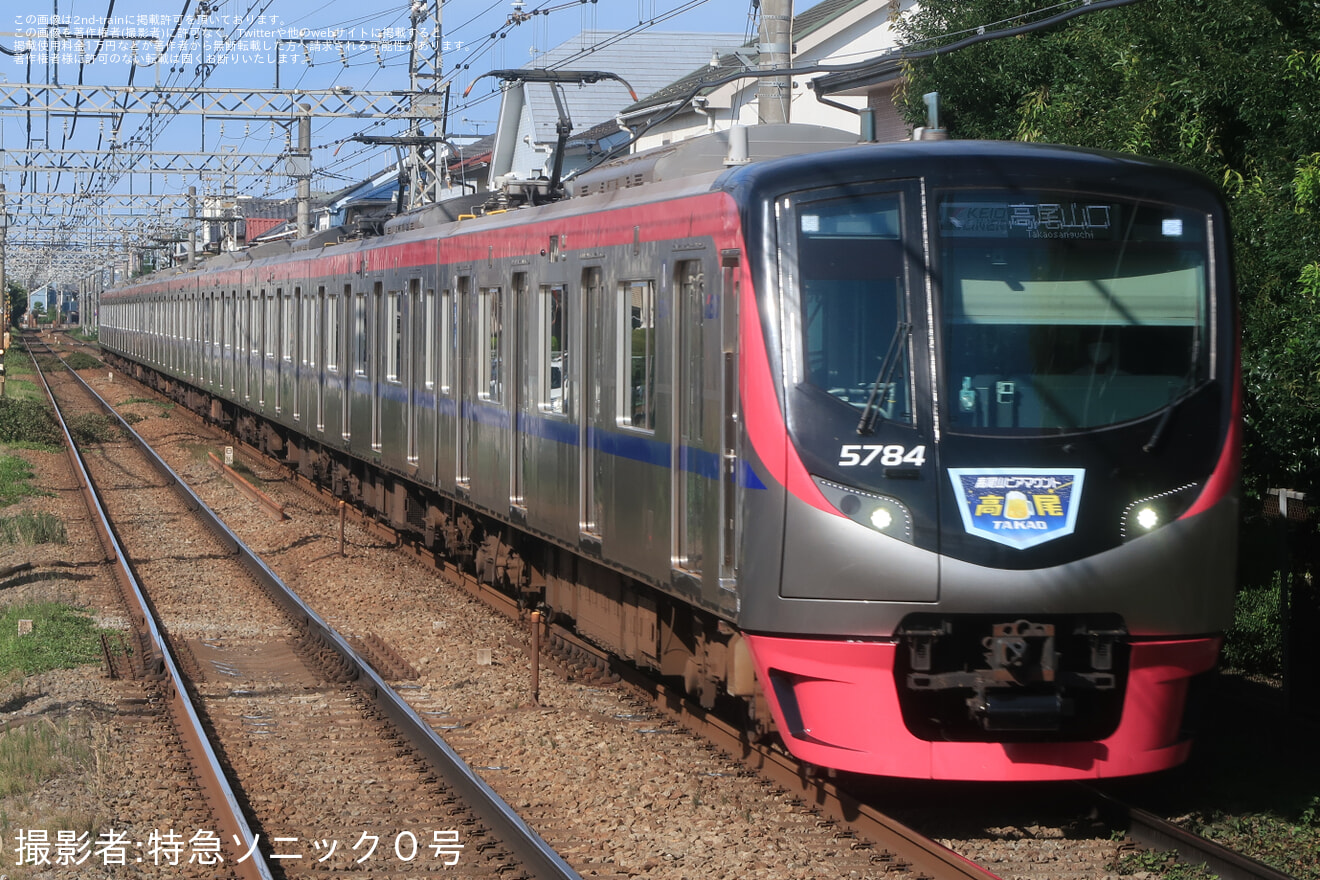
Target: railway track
(327,764)
(888,845)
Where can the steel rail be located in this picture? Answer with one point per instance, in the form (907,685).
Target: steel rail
(1153,831)
(217,787)
(524,843)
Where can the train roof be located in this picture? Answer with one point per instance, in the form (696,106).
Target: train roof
(996,162)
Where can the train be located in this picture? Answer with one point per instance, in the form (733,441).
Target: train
(920,457)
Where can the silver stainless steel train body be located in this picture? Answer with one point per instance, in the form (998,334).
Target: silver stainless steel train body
(975,403)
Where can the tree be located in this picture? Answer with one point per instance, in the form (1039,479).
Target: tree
(1231,89)
(18,302)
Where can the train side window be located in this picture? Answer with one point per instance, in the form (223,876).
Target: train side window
(288,324)
(360,334)
(446,331)
(554,349)
(492,334)
(428,331)
(637,354)
(311,320)
(252,322)
(394,335)
(331,331)
(269,328)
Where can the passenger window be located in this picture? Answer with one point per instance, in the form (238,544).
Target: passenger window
(492,337)
(394,329)
(554,349)
(637,354)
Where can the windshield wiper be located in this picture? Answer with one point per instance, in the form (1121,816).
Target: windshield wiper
(1185,389)
(871,412)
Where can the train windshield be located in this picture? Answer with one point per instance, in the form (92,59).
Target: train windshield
(1064,311)
(854,302)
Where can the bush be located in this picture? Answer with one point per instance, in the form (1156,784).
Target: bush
(28,422)
(93,428)
(1255,643)
(81,360)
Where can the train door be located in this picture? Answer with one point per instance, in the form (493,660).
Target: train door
(229,329)
(593,338)
(518,325)
(466,380)
(384,348)
(695,465)
(297,352)
(247,316)
(419,324)
(729,418)
(309,357)
(353,321)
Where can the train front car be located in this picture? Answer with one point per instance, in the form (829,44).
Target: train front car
(995,388)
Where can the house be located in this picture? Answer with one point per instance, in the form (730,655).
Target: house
(638,63)
(833,32)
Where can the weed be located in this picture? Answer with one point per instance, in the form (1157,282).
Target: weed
(165,406)
(1164,865)
(34,753)
(81,360)
(14,476)
(28,423)
(30,529)
(91,428)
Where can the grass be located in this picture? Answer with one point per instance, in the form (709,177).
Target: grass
(165,406)
(30,529)
(32,754)
(15,474)
(62,637)
(20,382)
(81,360)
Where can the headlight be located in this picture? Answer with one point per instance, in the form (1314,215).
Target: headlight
(1145,515)
(886,515)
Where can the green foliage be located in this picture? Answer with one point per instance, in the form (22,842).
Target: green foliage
(1277,840)
(1255,643)
(81,360)
(1165,865)
(14,476)
(1230,89)
(62,637)
(18,301)
(29,423)
(89,428)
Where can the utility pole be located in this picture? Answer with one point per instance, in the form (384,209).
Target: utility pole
(775,49)
(424,71)
(192,226)
(303,159)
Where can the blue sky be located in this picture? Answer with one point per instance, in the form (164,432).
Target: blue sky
(359,44)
